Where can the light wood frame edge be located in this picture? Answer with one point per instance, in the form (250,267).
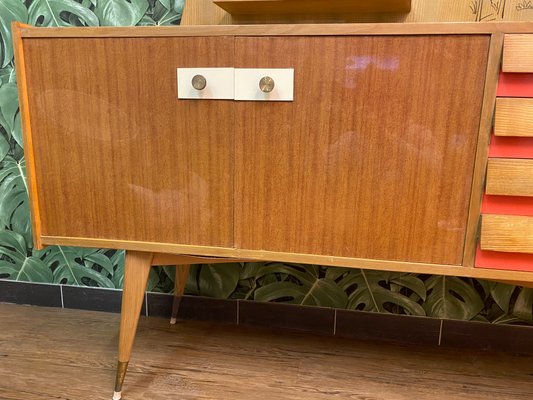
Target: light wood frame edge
(262,255)
(480,163)
(20,67)
(424,28)
(185,259)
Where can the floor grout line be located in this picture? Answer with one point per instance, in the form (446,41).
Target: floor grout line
(440,331)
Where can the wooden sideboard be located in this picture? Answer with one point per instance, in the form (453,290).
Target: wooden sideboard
(379,162)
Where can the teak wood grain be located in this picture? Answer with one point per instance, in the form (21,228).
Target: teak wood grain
(507,233)
(203,12)
(136,271)
(327,29)
(117,155)
(289,32)
(374,157)
(276,7)
(421,11)
(207,361)
(514,117)
(137,267)
(510,177)
(480,164)
(20,64)
(179,259)
(518,53)
(240,255)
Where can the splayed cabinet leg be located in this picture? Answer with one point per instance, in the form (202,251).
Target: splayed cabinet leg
(136,271)
(182,274)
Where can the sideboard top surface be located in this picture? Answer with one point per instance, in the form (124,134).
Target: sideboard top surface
(434,28)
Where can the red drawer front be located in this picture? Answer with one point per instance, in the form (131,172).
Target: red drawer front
(510,85)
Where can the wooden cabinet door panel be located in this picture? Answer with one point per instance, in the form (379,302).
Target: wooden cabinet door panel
(373,159)
(117,155)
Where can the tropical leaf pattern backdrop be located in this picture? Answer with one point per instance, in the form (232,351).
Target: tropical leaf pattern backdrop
(313,285)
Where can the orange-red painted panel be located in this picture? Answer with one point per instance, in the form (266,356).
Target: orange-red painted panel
(507,261)
(510,85)
(507,205)
(515,85)
(511,147)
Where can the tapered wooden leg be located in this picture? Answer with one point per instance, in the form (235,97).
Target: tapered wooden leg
(182,274)
(136,271)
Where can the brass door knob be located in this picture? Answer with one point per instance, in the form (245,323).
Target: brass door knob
(199,82)
(266,84)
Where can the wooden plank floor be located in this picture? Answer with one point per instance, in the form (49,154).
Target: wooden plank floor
(68,354)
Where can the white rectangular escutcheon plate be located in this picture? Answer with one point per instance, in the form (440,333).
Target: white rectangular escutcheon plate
(219,83)
(247,84)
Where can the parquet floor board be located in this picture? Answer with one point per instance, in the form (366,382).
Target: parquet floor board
(48,353)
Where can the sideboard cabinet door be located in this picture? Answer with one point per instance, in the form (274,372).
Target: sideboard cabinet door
(117,155)
(374,157)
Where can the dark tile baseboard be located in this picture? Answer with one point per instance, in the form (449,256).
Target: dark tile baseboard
(94,299)
(480,335)
(35,294)
(194,308)
(318,320)
(388,327)
(287,317)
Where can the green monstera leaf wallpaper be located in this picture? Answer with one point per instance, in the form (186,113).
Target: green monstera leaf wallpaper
(313,285)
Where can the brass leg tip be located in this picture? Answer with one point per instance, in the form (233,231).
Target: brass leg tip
(121,373)
(173,321)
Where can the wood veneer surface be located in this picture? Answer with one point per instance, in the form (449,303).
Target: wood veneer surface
(329,29)
(514,117)
(421,10)
(507,233)
(117,155)
(373,159)
(45,356)
(203,12)
(480,164)
(510,177)
(20,64)
(518,53)
(312,6)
